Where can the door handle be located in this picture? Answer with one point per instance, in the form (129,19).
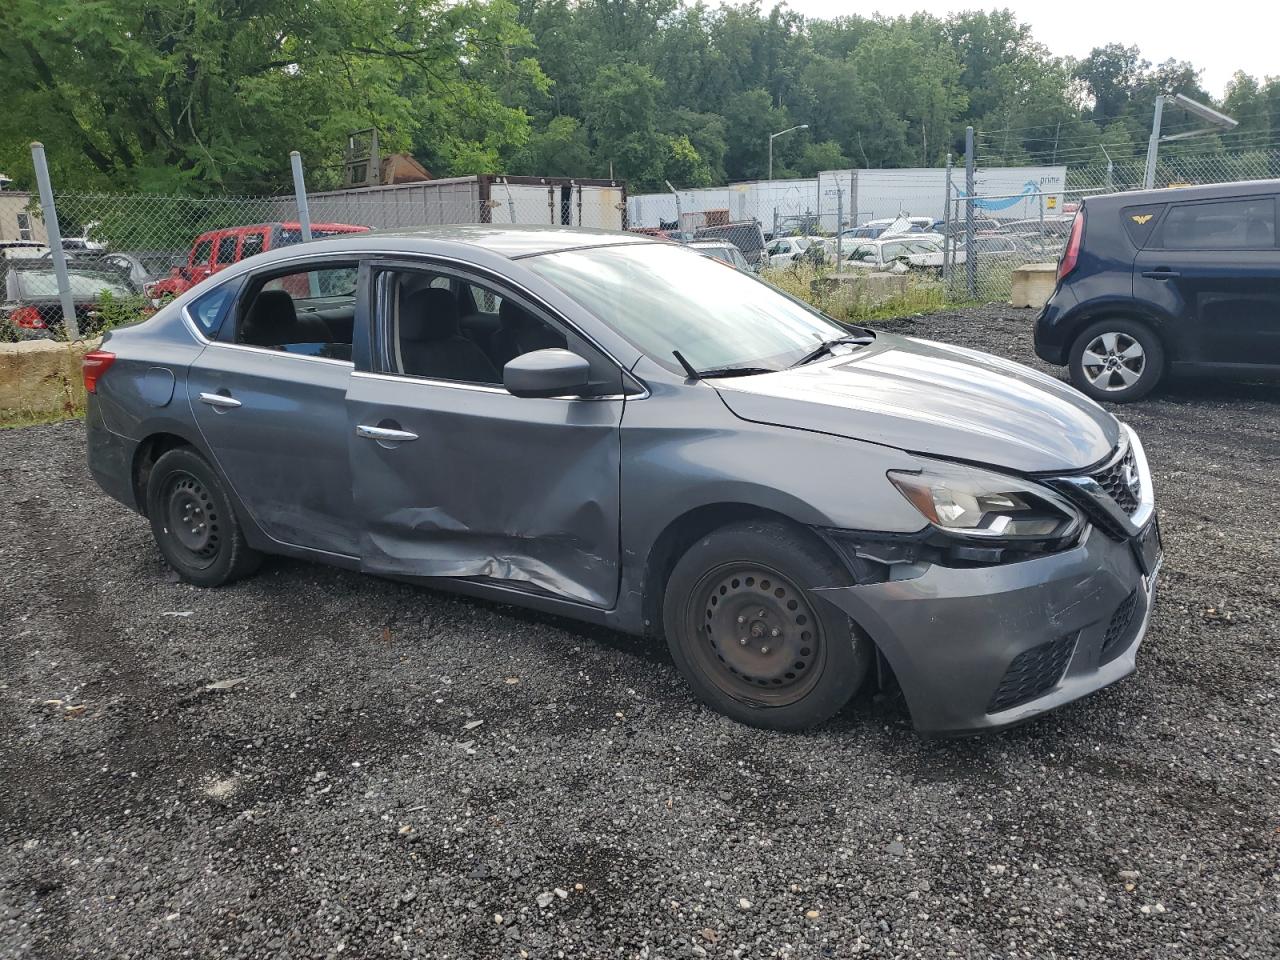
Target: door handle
(384,433)
(1161,273)
(223,400)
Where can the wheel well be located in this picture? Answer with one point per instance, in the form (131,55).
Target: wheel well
(144,458)
(682,533)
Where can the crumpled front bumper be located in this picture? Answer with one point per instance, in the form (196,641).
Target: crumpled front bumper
(952,634)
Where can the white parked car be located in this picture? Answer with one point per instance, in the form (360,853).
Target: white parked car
(896,253)
(783,251)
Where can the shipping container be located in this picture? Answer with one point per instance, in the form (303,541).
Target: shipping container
(844,198)
(482,198)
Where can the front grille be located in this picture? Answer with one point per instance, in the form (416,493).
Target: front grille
(1032,673)
(1114,480)
(1118,629)
(1112,483)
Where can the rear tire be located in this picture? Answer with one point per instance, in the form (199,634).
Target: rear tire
(1117,360)
(193,523)
(750,636)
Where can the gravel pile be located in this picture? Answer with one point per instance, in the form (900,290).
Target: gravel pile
(318,764)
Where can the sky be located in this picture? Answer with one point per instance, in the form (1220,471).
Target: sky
(1233,35)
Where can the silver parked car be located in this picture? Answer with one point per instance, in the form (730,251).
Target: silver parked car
(721,250)
(619,430)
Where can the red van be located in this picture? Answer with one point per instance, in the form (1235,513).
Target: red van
(215,250)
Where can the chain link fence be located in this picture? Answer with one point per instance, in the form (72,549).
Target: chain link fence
(858,243)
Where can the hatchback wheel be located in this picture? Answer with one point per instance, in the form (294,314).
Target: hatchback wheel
(1116,360)
(193,523)
(749,635)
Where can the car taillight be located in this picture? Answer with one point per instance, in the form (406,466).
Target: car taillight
(28,318)
(1072,252)
(93,366)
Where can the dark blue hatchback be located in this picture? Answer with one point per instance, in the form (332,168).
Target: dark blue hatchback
(1161,281)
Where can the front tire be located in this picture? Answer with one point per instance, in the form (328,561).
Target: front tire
(193,523)
(1118,360)
(751,638)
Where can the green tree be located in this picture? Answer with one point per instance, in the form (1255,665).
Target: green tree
(193,96)
(559,150)
(621,110)
(816,157)
(683,166)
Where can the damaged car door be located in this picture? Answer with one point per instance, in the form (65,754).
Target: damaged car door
(456,477)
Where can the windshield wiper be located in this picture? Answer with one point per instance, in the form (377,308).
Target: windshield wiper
(824,348)
(714,372)
(733,372)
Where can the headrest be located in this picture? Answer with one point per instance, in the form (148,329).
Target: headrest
(514,317)
(427,315)
(270,318)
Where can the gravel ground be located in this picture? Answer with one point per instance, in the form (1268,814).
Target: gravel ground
(397,772)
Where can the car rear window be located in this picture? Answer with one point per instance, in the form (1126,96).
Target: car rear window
(37,283)
(1220,225)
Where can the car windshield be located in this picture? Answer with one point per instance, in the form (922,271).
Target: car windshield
(40,283)
(156,263)
(663,299)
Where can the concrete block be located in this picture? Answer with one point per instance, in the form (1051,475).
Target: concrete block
(1032,284)
(41,379)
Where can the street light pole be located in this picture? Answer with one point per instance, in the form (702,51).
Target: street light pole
(774,136)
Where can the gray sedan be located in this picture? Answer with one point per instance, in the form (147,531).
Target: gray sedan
(621,431)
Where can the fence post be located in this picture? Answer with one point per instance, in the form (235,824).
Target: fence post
(300,192)
(853,198)
(679,213)
(55,241)
(839,226)
(970,255)
(946,229)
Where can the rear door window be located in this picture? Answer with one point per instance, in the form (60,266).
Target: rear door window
(310,312)
(203,253)
(1247,224)
(252,244)
(227,250)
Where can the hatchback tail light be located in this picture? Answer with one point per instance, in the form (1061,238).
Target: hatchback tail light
(93,366)
(1072,253)
(28,318)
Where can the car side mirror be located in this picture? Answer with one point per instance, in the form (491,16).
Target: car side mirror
(547,373)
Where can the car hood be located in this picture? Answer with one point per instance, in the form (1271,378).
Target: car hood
(934,399)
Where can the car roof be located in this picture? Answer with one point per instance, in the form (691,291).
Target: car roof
(510,241)
(1208,191)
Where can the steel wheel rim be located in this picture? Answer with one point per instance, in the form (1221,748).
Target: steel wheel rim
(754,634)
(1113,361)
(191,520)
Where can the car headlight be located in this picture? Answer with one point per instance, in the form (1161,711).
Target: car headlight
(976,503)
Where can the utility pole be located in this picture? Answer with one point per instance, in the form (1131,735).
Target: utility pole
(1153,145)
